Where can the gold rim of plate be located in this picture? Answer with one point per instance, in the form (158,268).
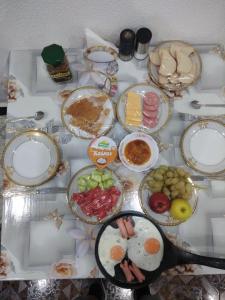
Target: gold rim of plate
(33,131)
(173,221)
(164,97)
(63,113)
(187,161)
(114,212)
(100,48)
(182,86)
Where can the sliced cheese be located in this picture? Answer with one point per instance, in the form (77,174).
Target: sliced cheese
(133,109)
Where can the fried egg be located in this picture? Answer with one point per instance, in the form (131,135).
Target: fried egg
(111,249)
(145,249)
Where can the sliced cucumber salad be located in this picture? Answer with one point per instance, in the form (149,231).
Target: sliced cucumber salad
(97,178)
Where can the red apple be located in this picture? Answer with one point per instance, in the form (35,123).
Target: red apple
(159,203)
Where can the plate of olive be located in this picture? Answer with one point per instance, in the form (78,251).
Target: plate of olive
(168,195)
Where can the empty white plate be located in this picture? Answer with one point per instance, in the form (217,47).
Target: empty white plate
(203,146)
(31,158)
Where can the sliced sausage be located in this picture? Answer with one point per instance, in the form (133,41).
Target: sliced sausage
(151,98)
(150,107)
(127,272)
(122,228)
(150,114)
(137,272)
(129,227)
(151,123)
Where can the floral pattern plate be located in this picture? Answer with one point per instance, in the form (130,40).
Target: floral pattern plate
(31,158)
(141,89)
(203,146)
(73,188)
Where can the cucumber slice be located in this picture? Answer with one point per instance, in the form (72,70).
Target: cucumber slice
(101,185)
(82,188)
(86,177)
(107,184)
(96,177)
(81,181)
(97,172)
(92,184)
(106,176)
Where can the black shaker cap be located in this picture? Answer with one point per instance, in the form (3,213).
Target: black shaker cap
(143,35)
(127,39)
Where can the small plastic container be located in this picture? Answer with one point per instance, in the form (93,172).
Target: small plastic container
(56,63)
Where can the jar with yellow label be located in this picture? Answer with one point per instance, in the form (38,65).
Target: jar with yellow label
(57,63)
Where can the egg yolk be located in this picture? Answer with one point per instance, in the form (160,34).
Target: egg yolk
(152,246)
(117,253)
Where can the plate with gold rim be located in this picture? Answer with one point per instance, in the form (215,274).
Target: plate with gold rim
(73,187)
(31,158)
(164,219)
(203,146)
(163,114)
(88,113)
(176,82)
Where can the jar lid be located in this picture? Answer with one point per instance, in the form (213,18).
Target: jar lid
(143,35)
(53,54)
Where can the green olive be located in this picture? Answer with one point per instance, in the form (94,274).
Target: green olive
(175,180)
(182,190)
(186,196)
(156,189)
(166,191)
(152,184)
(181,172)
(180,185)
(173,188)
(174,194)
(158,176)
(163,167)
(169,174)
(168,181)
(188,188)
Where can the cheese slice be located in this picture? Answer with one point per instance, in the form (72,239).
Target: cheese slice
(133,109)
(133,122)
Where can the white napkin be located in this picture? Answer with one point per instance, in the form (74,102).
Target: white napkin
(218,188)
(183,105)
(218,225)
(47,243)
(213,72)
(93,39)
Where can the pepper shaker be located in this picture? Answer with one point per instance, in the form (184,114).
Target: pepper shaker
(143,37)
(126,47)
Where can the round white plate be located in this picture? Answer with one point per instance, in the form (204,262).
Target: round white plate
(175,87)
(140,89)
(73,188)
(31,158)
(203,146)
(150,142)
(162,219)
(77,95)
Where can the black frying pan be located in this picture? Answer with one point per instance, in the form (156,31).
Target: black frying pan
(172,257)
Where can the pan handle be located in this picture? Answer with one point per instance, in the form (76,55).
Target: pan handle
(185,257)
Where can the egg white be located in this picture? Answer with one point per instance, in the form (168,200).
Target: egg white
(136,252)
(110,238)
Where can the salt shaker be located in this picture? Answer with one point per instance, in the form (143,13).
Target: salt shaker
(143,37)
